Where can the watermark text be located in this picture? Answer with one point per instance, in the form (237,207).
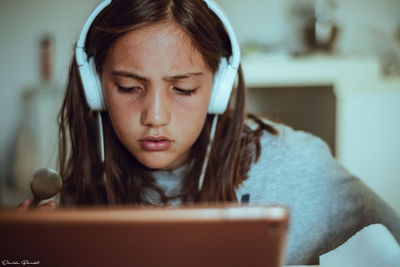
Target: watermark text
(23,262)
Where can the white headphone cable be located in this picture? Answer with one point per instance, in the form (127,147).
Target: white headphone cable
(212,134)
(101,136)
(101,141)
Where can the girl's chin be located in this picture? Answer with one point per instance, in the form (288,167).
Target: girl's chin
(162,161)
(159,165)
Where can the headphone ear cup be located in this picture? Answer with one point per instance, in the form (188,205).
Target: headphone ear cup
(222,88)
(92,85)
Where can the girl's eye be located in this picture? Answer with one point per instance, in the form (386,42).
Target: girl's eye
(132,89)
(185,92)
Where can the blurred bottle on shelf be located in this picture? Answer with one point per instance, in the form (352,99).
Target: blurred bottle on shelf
(37,138)
(46,58)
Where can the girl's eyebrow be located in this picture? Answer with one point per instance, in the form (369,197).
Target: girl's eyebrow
(169,78)
(183,76)
(129,75)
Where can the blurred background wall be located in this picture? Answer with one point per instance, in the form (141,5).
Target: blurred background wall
(359,69)
(23,24)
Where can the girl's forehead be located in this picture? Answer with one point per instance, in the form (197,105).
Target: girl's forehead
(155,32)
(157,43)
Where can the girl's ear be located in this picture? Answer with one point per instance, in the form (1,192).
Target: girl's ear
(222,88)
(91,83)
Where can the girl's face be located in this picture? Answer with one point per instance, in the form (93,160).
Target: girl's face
(157,89)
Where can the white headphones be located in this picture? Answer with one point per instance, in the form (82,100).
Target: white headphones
(223,79)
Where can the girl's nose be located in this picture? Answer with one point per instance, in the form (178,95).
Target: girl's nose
(156,109)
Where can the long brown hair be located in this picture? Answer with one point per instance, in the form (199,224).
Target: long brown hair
(235,146)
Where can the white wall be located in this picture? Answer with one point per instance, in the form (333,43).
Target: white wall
(267,22)
(22,24)
(257,21)
(370,141)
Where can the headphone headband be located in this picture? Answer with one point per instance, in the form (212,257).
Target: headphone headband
(234,60)
(223,79)
(81,58)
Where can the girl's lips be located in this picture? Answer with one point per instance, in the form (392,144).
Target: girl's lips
(152,143)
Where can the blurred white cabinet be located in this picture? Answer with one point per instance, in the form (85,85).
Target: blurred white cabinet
(367,111)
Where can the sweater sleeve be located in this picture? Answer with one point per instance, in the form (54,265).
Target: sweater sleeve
(353,207)
(356,207)
(328,205)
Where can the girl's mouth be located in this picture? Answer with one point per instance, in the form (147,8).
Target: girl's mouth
(155,143)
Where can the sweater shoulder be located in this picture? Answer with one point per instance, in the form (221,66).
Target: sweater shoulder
(328,203)
(290,159)
(290,149)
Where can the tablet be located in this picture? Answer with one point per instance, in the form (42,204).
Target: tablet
(224,235)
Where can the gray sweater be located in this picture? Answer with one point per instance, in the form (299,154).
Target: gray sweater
(327,204)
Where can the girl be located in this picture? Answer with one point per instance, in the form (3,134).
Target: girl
(146,121)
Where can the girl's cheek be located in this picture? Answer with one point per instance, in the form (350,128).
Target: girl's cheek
(129,101)
(186,101)
(195,101)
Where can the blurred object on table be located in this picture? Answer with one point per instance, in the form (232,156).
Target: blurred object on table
(325,29)
(372,246)
(311,26)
